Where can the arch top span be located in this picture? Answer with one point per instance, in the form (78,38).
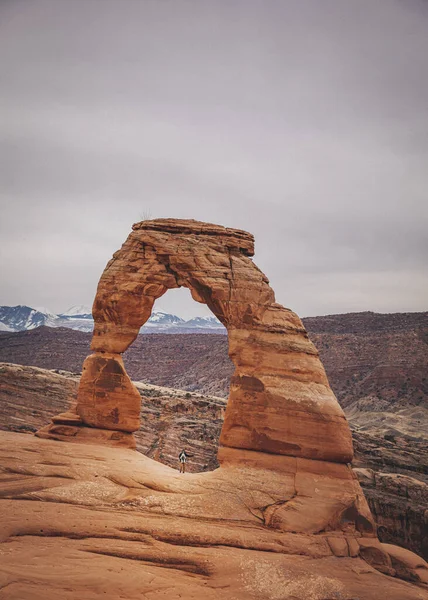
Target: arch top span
(233,238)
(211,260)
(280,400)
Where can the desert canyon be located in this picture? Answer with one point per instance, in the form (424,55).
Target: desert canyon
(83,515)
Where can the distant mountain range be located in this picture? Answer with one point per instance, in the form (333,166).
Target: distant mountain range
(24,318)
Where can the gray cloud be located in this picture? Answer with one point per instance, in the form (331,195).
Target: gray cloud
(304,122)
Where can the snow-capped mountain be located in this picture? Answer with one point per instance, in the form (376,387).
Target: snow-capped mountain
(77,317)
(45,311)
(22,318)
(161,322)
(78,312)
(159,318)
(205,322)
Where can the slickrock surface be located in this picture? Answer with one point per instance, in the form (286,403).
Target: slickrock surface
(84,521)
(173,419)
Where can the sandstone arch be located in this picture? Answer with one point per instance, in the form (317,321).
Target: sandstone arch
(280,400)
(285,439)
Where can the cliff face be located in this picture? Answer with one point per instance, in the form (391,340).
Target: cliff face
(394,477)
(399,503)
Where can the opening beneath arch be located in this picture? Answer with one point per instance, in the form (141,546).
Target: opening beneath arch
(179,301)
(181,368)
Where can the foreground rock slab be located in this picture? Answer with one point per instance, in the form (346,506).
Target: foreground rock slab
(89,522)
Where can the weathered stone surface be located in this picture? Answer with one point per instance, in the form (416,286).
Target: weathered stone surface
(84,521)
(280,400)
(285,442)
(407,565)
(107,398)
(317,495)
(87,435)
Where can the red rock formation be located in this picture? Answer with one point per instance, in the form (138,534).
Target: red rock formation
(284,436)
(107,399)
(90,522)
(280,400)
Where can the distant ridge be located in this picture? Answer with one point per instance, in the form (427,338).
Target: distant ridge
(364,322)
(80,310)
(26,318)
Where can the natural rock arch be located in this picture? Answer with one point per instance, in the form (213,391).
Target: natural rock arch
(285,439)
(280,400)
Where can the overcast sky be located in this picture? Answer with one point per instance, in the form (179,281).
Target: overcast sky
(302,121)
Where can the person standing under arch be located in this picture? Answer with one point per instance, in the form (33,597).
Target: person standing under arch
(182,458)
